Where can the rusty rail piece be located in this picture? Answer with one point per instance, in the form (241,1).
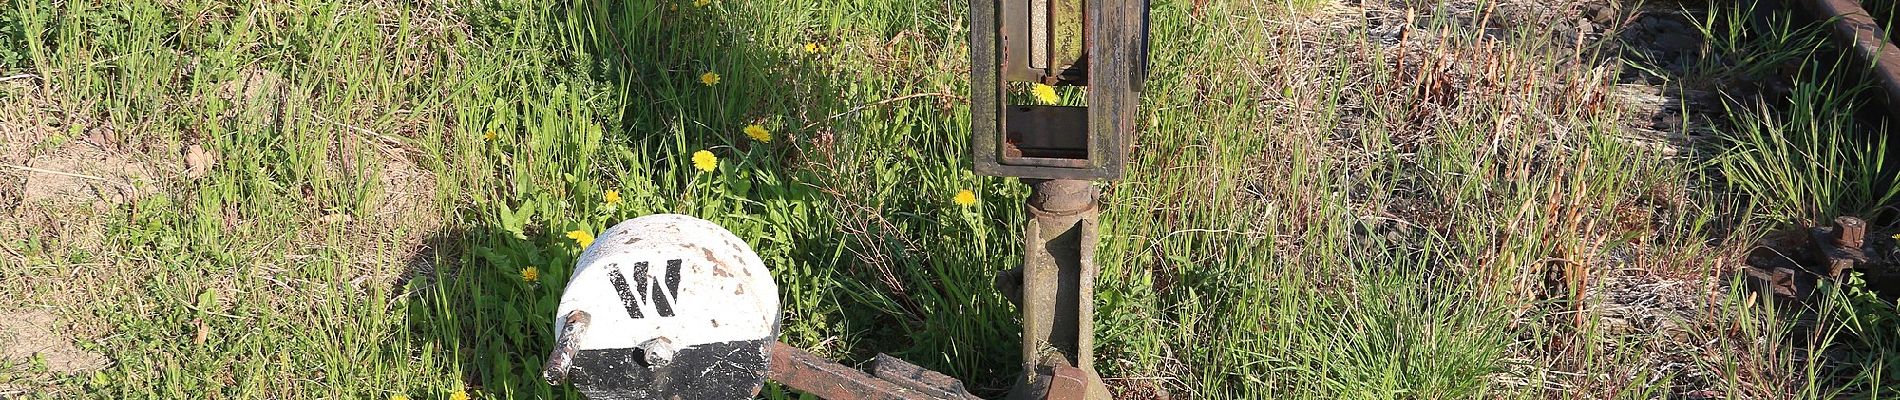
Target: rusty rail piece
(1792,265)
(1855,26)
(890,378)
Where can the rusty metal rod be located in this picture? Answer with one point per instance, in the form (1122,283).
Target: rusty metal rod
(1058,292)
(565,345)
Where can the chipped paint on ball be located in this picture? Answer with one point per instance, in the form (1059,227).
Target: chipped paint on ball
(674,307)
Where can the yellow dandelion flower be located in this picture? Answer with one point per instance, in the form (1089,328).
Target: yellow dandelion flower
(709,78)
(612,197)
(965,198)
(705,160)
(1896,236)
(459,394)
(490,136)
(701,3)
(530,274)
(399,396)
(582,238)
(758,133)
(1045,94)
(814,48)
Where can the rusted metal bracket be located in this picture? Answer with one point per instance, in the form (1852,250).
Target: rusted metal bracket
(1839,247)
(1792,264)
(890,378)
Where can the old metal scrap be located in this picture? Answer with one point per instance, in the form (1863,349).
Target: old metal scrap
(1792,264)
(890,379)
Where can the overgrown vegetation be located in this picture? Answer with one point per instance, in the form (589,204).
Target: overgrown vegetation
(1800,157)
(1804,155)
(1380,199)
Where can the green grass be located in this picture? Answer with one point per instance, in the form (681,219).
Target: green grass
(1843,170)
(1310,213)
(1799,159)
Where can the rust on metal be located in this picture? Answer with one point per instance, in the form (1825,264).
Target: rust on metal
(913,377)
(566,343)
(1117,33)
(1780,281)
(1849,232)
(1853,24)
(1057,291)
(1053,378)
(809,373)
(1839,247)
(1101,44)
(1068,383)
(1046,136)
(1792,264)
(1042,41)
(1053,266)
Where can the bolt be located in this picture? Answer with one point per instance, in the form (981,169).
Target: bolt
(1849,232)
(659,351)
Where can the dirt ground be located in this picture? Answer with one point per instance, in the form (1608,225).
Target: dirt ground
(36,336)
(64,175)
(58,191)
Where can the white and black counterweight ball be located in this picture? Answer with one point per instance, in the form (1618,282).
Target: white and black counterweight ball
(666,307)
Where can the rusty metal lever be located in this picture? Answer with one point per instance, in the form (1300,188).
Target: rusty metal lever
(891,378)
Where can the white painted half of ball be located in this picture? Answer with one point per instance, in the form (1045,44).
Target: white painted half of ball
(724,291)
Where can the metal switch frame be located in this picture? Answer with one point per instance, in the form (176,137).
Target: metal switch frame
(1101,44)
(1111,63)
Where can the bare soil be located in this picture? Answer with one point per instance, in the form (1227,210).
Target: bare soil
(33,336)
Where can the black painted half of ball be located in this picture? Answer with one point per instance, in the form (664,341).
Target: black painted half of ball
(714,371)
